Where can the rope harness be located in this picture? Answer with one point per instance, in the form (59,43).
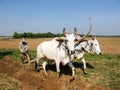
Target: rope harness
(84,48)
(64,47)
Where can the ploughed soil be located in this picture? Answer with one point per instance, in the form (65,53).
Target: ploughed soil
(27,79)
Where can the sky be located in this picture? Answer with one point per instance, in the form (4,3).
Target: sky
(41,16)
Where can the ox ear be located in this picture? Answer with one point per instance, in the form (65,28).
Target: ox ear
(64,33)
(75,31)
(93,38)
(59,39)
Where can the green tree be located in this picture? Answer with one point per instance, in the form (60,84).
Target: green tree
(16,35)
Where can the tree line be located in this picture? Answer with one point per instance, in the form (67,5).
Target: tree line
(49,34)
(35,35)
(38,35)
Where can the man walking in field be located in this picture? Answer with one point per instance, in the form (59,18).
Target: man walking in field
(23,47)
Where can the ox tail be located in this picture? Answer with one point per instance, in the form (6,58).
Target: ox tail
(38,57)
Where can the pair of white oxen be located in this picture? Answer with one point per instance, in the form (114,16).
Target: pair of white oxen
(64,49)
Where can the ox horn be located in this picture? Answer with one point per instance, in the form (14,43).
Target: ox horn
(75,31)
(90,28)
(64,33)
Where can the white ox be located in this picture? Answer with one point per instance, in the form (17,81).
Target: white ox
(86,46)
(59,50)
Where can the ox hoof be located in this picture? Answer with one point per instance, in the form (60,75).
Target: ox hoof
(72,78)
(85,72)
(58,75)
(46,74)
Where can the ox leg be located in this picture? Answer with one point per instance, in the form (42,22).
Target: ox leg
(84,65)
(44,67)
(36,63)
(58,69)
(70,64)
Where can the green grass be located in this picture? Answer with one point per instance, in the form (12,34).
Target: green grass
(15,54)
(103,70)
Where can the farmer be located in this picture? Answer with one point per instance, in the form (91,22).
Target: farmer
(23,46)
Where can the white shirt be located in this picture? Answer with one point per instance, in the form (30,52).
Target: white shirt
(23,46)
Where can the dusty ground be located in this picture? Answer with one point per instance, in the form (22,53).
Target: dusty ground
(26,79)
(108,45)
(14,43)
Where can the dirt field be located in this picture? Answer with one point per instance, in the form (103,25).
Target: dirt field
(23,77)
(108,45)
(26,79)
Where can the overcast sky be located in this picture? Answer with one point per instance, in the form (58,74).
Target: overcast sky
(53,15)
